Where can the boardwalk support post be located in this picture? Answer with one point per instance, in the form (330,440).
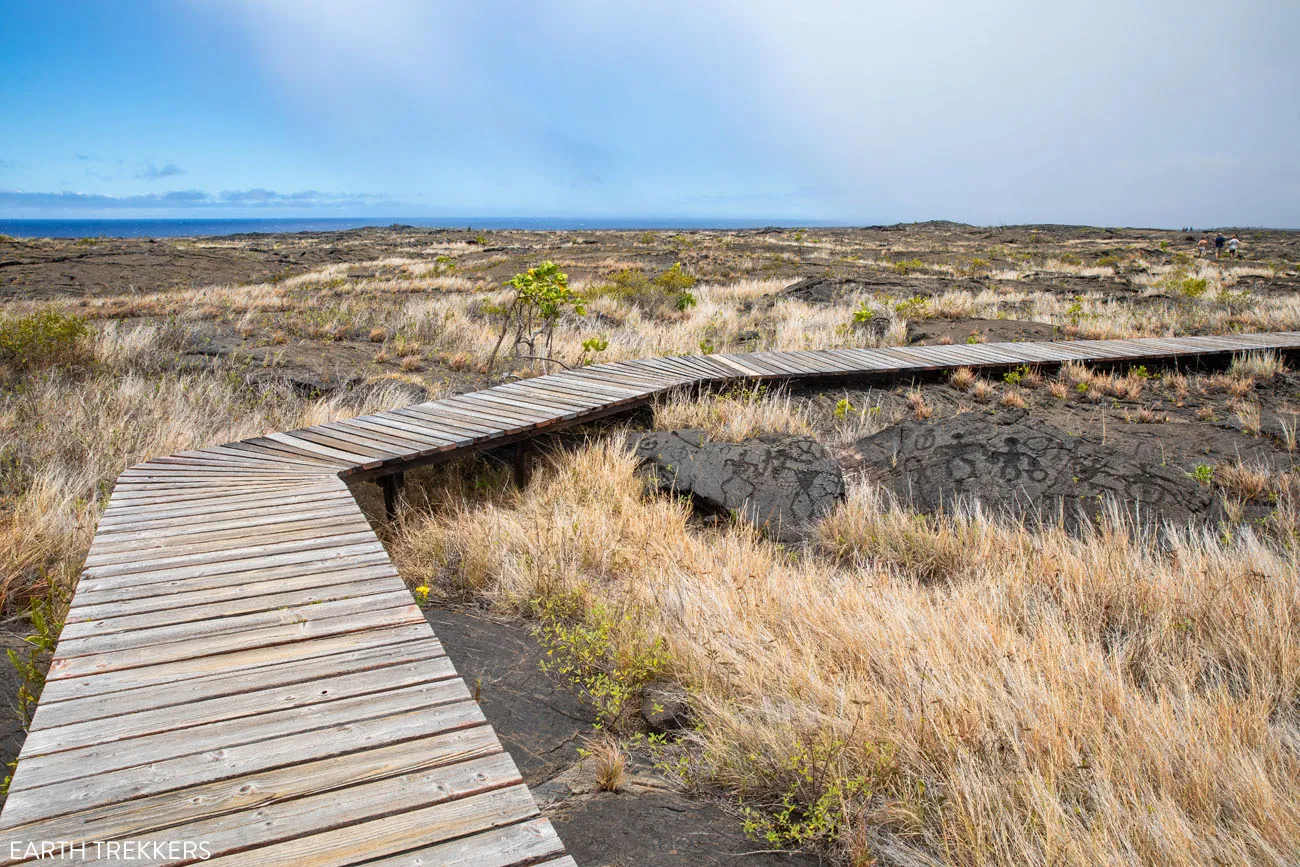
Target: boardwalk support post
(392,485)
(521,464)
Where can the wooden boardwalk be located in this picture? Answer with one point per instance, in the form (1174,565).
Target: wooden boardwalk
(244,679)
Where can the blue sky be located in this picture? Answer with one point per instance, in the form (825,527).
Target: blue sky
(1113,113)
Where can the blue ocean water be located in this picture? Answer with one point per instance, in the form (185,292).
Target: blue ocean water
(182,228)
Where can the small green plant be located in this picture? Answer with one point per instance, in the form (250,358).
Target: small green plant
(1164,245)
(1015,377)
(1203,473)
(1139,372)
(815,804)
(421,595)
(843,408)
(916,307)
(479,239)
(657,294)
(593,345)
(906,266)
(29,661)
(603,653)
(707,347)
(43,339)
(1234,302)
(542,296)
(1191,287)
(863,314)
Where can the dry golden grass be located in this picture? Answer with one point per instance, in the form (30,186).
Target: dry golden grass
(1012,398)
(609,762)
(990,695)
(68,435)
(736,414)
(962,378)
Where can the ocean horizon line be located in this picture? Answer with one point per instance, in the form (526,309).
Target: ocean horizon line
(137,227)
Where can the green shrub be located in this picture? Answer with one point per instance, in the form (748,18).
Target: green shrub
(906,266)
(542,296)
(916,307)
(605,654)
(657,295)
(44,339)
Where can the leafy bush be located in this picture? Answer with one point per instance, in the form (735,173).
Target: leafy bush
(656,295)
(593,345)
(817,801)
(43,339)
(916,307)
(906,266)
(542,296)
(604,654)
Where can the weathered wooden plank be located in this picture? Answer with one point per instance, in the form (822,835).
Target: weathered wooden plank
(197,529)
(476,429)
(251,830)
(367,450)
(100,663)
(82,762)
(166,568)
(404,444)
(240,760)
(262,789)
(346,458)
(245,572)
(181,597)
(159,513)
(519,844)
(159,549)
(392,835)
(255,700)
(421,649)
(195,672)
(421,433)
(129,616)
(550,409)
(390,594)
(262,445)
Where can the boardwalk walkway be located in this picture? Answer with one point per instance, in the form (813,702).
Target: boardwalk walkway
(243,676)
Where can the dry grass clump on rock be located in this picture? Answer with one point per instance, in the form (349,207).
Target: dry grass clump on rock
(950,689)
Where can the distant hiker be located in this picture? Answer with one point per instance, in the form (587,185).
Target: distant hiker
(1219,241)
(1233,243)
(1203,247)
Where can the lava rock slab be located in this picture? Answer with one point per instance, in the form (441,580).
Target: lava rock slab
(781,484)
